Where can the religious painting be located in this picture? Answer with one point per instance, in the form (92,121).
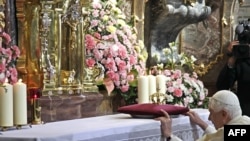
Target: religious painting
(204,41)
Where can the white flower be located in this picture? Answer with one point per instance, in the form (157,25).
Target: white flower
(169,98)
(193,58)
(105,18)
(121,22)
(156,56)
(2,75)
(166,51)
(111,29)
(116,10)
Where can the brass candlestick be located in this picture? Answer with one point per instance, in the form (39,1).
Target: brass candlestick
(35,107)
(158,98)
(36,111)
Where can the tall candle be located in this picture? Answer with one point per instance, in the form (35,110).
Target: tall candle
(143,93)
(20,103)
(6,105)
(151,85)
(161,83)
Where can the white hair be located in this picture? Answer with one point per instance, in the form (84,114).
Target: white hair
(226,100)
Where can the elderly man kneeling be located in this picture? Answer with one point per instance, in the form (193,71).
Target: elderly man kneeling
(224,108)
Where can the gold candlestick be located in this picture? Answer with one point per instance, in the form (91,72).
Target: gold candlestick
(35,107)
(36,111)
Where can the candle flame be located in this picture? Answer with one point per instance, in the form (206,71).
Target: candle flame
(20,80)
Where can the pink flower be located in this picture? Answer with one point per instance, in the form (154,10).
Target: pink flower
(170,89)
(112,45)
(112,75)
(97,6)
(8,55)
(132,59)
(178,92)
(2,66)
(90,62)
(98,54)
(176,74)
(95,13)
(13,75)
(97,35)
(6,37)
(90,42)
(121,64)
(124,88)
(16,52)
(94,23)
(123,52)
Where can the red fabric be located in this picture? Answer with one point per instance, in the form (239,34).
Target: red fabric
(152,109)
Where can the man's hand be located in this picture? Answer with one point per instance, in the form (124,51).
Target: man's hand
(166,124)
(231,59)
(195,118)
(230,46)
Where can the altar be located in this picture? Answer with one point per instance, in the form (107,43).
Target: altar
(115,127)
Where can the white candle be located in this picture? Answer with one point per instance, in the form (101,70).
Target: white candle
(151,85)
(143,93)
(6,105)
(20,103)
(161,83)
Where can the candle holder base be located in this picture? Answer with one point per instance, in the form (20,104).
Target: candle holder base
(5,128)
(37,122)
(19,126)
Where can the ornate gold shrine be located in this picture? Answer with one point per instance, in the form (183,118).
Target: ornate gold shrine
(51,39)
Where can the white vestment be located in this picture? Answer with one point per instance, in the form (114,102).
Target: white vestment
(211,134)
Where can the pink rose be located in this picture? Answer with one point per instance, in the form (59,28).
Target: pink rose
(177,92)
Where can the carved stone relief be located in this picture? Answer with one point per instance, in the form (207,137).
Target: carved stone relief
(204,42)
(167,18)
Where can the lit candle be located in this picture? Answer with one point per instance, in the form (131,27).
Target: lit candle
(161,83)
(20,103)
(143,93)
(151,85)
(6,105)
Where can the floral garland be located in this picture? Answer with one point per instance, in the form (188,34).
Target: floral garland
(112,42)
(8,56)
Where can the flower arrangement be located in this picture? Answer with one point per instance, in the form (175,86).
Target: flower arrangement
(185,89)
(182,83)
(174,60)
(111,41)
(8,56)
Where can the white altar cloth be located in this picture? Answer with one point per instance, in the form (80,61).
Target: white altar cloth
(117,127)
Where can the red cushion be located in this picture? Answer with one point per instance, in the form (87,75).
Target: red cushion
(152,109)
